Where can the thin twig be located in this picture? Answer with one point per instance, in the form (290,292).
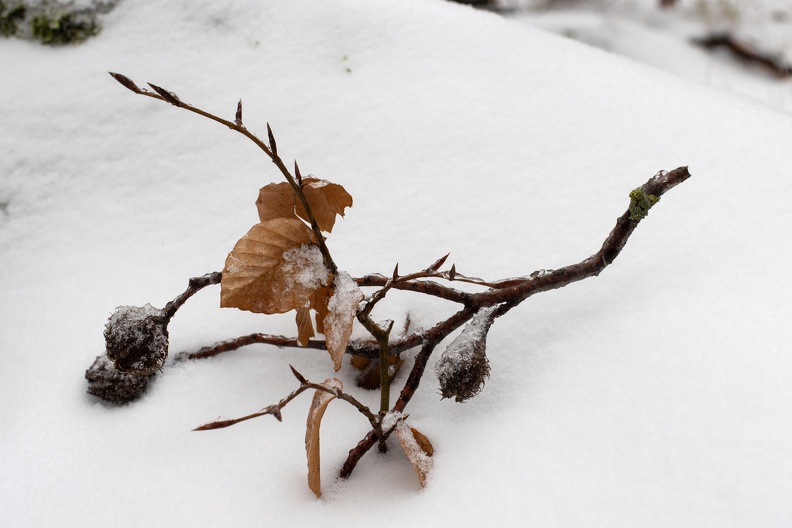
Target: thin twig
(251,339)
(746,52)
(275,409)
(270,150)
(514,295)
(195,285)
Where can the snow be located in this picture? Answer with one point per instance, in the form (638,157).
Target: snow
(306,265)
(657,394)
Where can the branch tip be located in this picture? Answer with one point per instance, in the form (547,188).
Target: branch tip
(299,376)
(297,173)
(272,144)
(170,97)
(125,81)
(436,266)
(238,118)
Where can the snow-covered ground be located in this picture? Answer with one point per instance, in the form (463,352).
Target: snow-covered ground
(657,394)
(664,38)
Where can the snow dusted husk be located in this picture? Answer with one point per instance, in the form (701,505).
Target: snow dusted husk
(463,367)
(306,265)
(136,339)
(115,386)
(343,308)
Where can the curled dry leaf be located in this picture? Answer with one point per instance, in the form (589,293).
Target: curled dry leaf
(305,329)
(326,200)
(318,406)
(342,309)
(417,448)
(256,276)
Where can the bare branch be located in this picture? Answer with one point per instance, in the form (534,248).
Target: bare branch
(276,409)
(747,53)
(169,97)
(251,339)
(195,285)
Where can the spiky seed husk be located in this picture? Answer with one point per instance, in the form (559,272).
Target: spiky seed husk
(463,367)
(112,385)
(136,339)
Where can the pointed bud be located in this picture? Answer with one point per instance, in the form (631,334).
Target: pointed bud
(436,266)
(297,375)
(297,173)
(165,94)
(463,368)
(238,119)
(272,144)
(452,272)
(125,81)
(395,273)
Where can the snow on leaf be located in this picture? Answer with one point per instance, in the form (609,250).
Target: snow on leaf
(272,269)
(318,406)
(342,309)
(326,200)
(417,448)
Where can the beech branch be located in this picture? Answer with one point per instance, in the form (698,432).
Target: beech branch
(275,409)
(497,298)
(641,200)
(271,149)
(195,285)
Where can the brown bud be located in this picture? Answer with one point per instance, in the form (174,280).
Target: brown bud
(136,339)
(463,367)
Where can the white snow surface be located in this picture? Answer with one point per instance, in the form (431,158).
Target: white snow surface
(657,394)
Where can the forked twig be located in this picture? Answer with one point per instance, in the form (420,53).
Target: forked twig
(497,298)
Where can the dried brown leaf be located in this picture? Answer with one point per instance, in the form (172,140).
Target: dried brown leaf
(326,200)
(276,200)
(424,442)
(319,303)
(318,406)
(415,450)
(369,376)
(255,277)
(342,311)
(305,330)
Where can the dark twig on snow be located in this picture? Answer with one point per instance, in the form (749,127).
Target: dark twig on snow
(746,52)
(641,200)
(252,339)
(270,150)
(498,297)
(195,285)
(275,409)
